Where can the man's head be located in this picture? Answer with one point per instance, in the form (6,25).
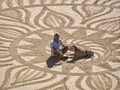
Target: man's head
(56,36)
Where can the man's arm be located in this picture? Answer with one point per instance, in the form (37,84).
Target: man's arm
(57,52)
(62,44)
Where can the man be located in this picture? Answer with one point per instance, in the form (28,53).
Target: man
(57,47)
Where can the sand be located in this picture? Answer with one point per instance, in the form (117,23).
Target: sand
(28,26)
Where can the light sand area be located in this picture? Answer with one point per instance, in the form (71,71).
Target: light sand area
(28,26)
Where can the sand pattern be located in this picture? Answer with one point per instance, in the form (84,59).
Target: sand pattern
(28,26)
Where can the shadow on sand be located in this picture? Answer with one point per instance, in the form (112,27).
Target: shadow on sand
(51,61)
(74,59)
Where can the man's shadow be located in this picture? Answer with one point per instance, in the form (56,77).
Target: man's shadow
(52,60)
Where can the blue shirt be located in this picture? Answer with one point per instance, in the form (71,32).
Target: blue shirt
(56,45)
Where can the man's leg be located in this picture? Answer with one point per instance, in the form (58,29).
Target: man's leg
(61,53)
(58,53)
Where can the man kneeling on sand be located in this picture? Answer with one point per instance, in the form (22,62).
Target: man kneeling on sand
(59,49)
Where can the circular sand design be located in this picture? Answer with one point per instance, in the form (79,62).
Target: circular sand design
(28,26)
(36,49)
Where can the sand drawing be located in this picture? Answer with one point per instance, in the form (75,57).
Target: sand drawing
(28,26)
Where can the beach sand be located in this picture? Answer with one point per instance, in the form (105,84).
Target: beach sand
(27,28)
